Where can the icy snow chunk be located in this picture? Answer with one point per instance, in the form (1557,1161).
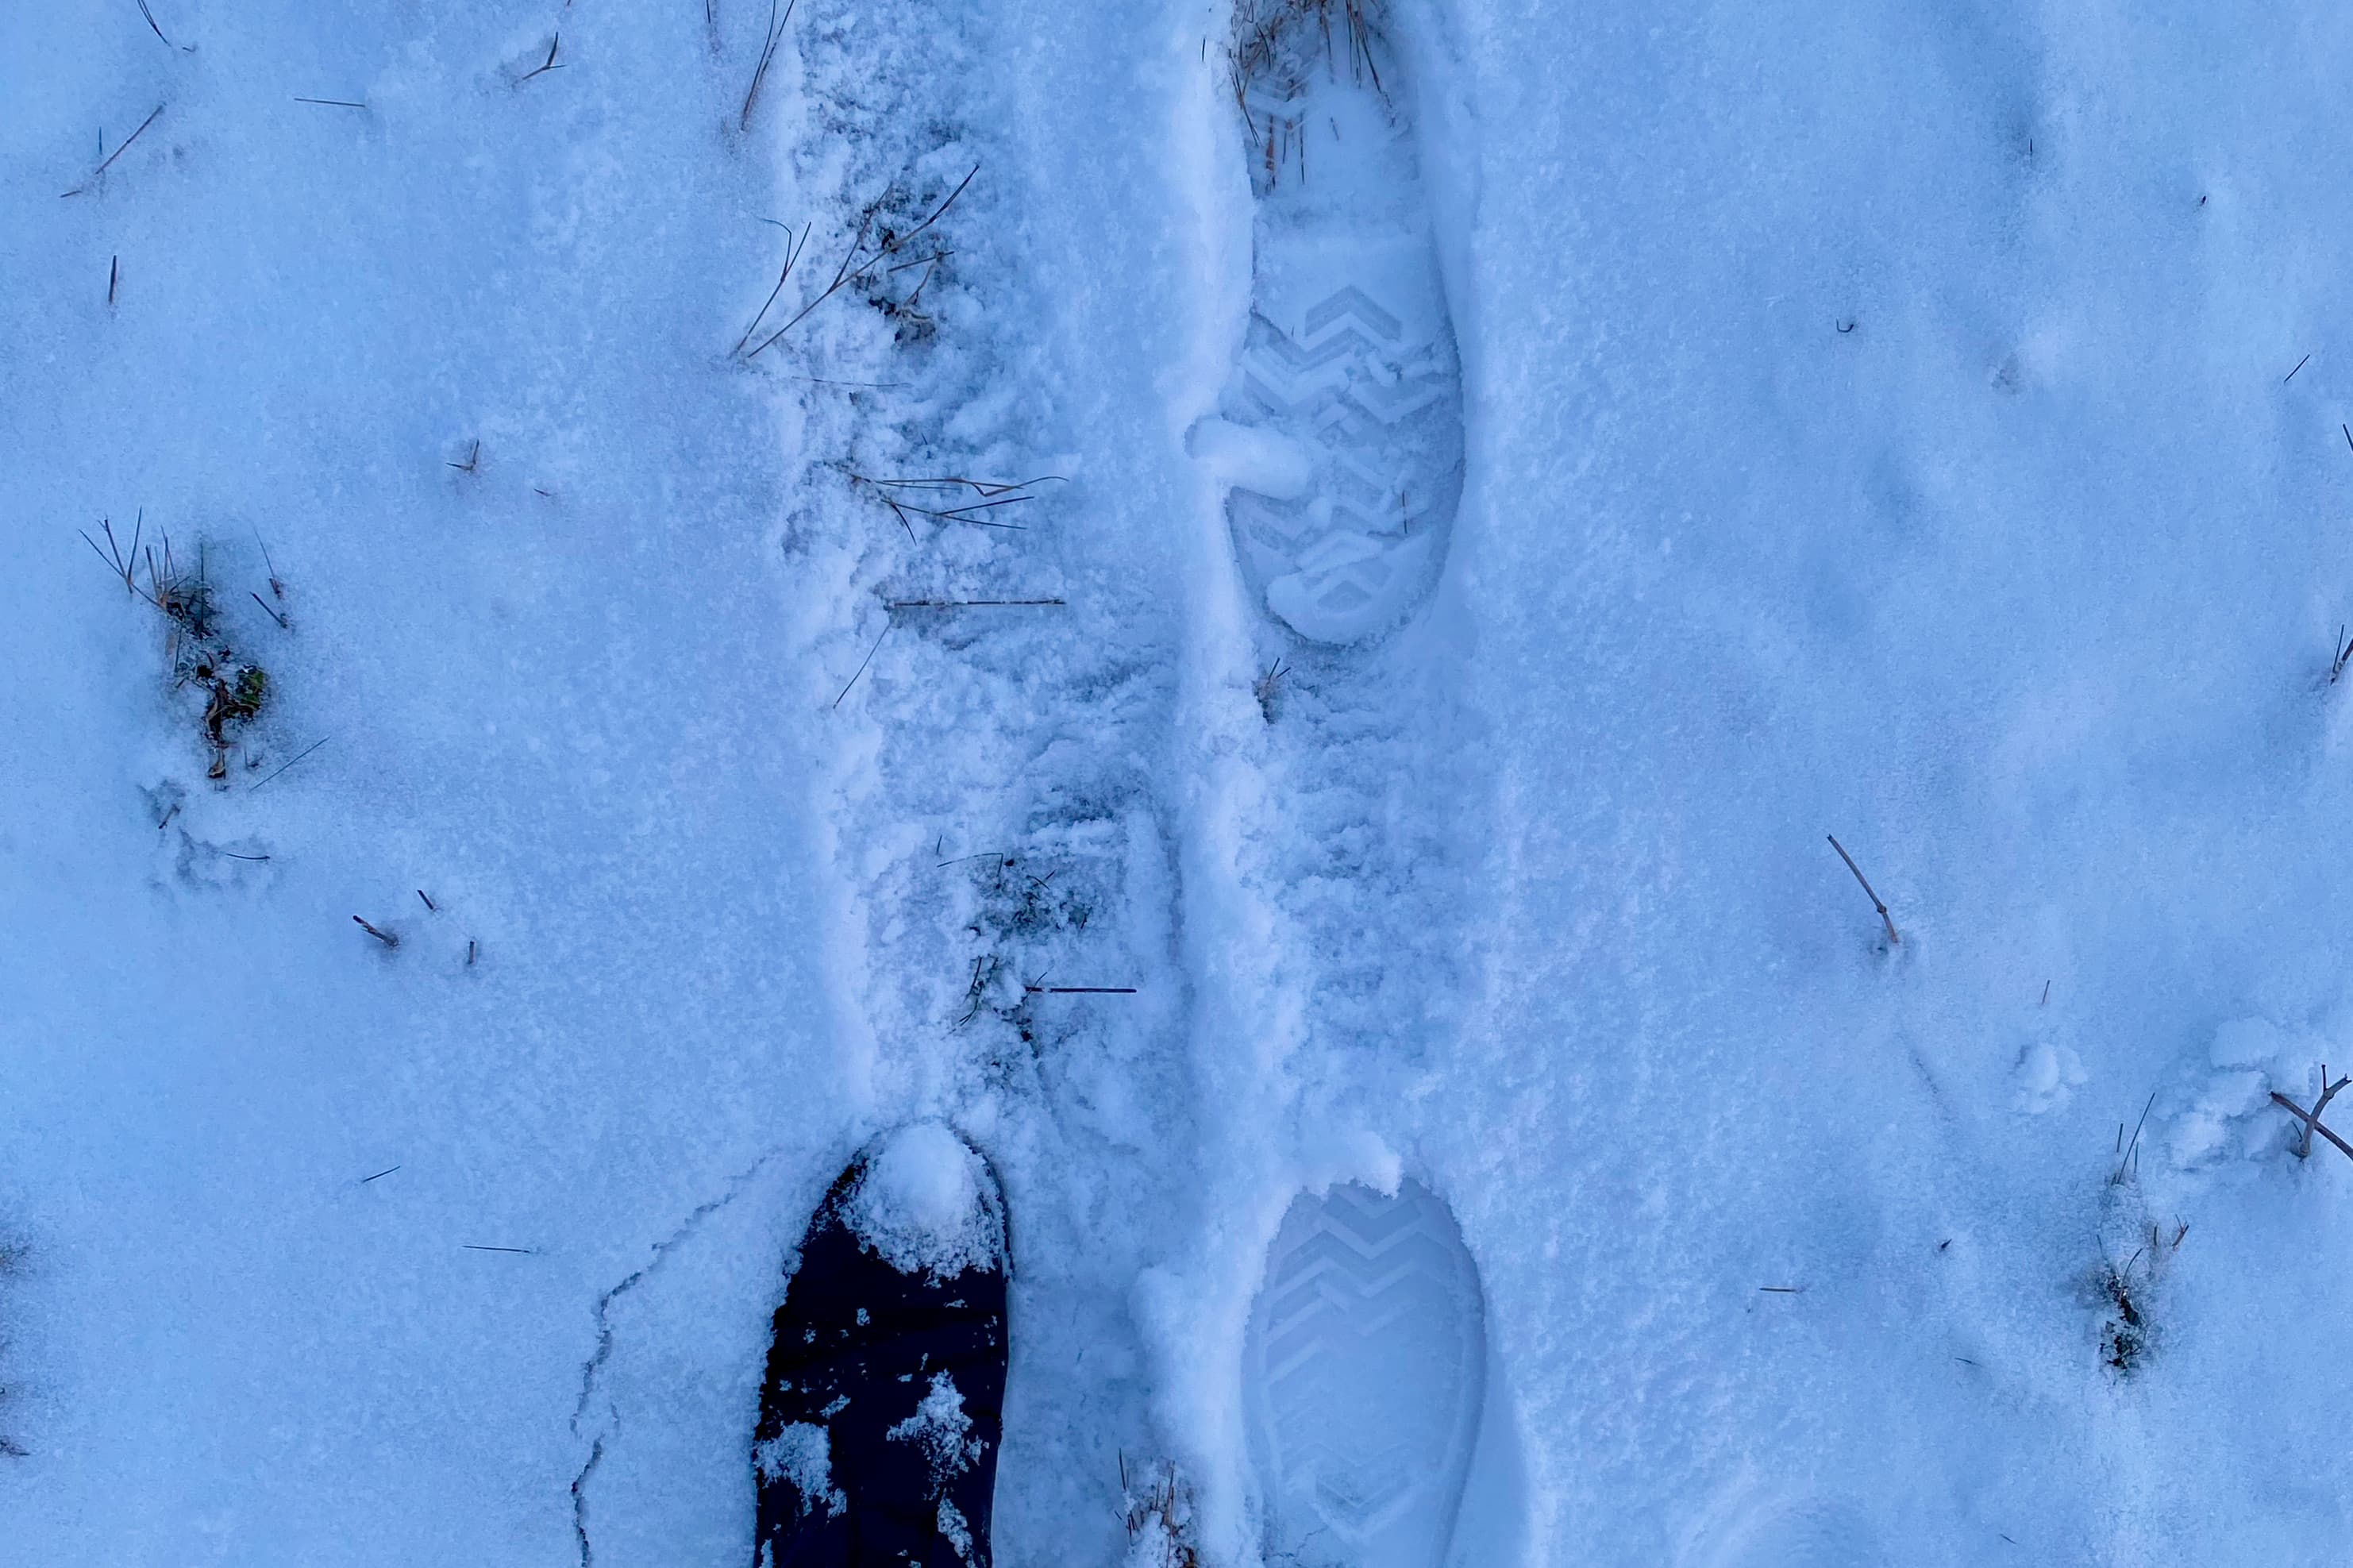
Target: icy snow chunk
(1255,457)
(2251,1042)
(802,1455)
(2048,1077)
(941,1429)
(2230,1114)
(926,1205)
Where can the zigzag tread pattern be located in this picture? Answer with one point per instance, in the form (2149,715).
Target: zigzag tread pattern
(1367,1358)
(1381,412)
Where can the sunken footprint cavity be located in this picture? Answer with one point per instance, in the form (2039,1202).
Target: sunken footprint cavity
(1340,431)
(1362,1379)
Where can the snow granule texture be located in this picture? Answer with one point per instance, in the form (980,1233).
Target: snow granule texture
(802,1455)
(941,1429)
(926,1205)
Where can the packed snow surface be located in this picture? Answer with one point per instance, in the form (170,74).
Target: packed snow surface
(721,586)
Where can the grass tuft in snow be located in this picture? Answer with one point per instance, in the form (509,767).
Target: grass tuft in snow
(1268,690)
(1275,48)
(234,691)
(1159,1519)
(878,253)
(2134,1251)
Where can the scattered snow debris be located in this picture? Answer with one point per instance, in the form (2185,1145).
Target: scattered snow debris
(2048,1077)
(954,1527)
(802,1455)
(940,1429)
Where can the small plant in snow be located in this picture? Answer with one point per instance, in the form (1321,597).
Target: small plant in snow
(2126,1334)
(1268,689)
(234,691)
(2134,1250)
(1276,44)
(1159,1519)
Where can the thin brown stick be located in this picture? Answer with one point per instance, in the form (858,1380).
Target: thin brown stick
(969,603)
(548,64)
(862,664)
(296,758)
(792,254)
(767,53)
(2310,1122)
(277,587)
(1859,877)
(127,569)
(386,937)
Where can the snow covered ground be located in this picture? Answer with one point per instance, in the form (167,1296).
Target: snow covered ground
(1924,426)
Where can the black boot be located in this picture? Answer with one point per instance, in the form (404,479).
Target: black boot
(879,1420)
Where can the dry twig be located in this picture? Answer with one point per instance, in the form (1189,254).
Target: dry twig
(767,53)
(2311,1119)
(853,270)
(1875,903)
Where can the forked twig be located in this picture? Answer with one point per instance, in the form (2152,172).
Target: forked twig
(793,249)
(2311,1119)
(546,65)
